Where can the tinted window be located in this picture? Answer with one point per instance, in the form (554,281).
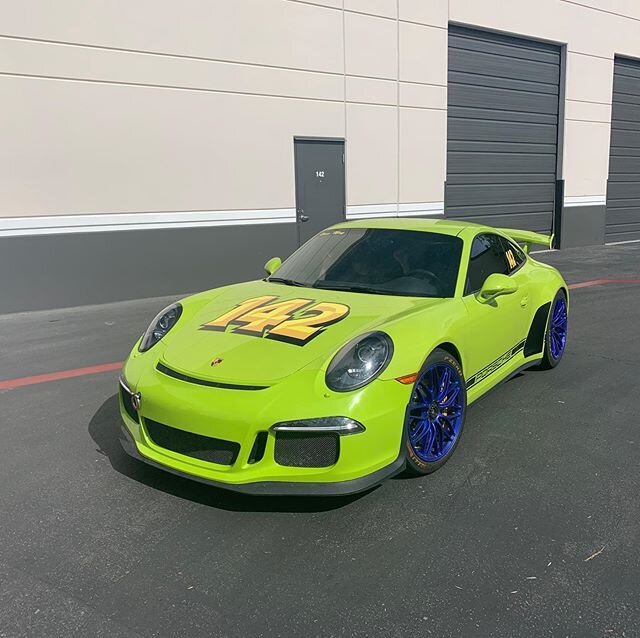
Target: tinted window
(487,257)
(376,260)
(514,255)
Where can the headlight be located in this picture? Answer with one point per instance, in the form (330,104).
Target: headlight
(164,321)
(359,362)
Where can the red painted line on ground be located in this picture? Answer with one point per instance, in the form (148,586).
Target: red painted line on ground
(600,282)
(10,384)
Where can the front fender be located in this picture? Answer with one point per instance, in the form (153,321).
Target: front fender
(415,338)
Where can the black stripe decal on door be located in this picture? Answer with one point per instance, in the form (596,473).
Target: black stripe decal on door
(495,365)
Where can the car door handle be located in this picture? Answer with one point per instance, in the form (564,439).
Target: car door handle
(524,302)
(302,217)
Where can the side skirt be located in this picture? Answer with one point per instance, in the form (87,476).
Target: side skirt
(516,372)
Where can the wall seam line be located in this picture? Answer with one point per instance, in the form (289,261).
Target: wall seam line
(176,56)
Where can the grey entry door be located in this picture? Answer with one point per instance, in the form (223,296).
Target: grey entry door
(320,189)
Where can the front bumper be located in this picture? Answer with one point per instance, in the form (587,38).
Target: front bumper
(365,459)
(275,488)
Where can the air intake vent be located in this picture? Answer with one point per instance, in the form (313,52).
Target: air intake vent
(259,446)
(195,445)
(307,449)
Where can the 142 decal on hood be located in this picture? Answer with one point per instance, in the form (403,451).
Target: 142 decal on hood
(294,321)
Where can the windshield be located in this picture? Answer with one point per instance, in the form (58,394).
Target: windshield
(382,261)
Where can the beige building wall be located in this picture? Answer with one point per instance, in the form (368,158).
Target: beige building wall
(156,106)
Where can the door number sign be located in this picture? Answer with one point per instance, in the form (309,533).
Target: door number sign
(295,321)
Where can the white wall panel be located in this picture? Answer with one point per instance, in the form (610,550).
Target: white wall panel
(92,147)
(372,154)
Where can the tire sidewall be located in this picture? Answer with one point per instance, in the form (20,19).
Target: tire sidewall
(415,465)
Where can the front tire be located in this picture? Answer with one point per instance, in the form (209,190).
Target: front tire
(555,338)
(435,414)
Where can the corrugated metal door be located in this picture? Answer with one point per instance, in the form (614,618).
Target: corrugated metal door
(503,102)
(623,191)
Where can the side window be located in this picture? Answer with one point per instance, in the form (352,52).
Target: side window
(514,255)
(487,257)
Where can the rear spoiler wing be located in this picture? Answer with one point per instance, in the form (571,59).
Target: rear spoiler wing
(528,238)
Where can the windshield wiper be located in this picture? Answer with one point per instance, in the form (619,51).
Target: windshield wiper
(286,282)
(328,285)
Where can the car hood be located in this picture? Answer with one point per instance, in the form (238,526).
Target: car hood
(214,345)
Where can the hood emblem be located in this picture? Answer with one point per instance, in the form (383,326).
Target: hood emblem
(216,362)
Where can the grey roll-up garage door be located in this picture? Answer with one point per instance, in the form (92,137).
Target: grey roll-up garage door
(623,190)
(503,101)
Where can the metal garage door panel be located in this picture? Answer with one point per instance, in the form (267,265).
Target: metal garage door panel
(628,114)
(627,152)
(492,131)
(477,194)
(503,100)
(628,215)
(503,45)
(627,85)
(625,139)
(496,163)
(466,112)
(515,178)
(502,129)
(627,68)
(531,220)
(624,164)
(500,147)
(500,67)
(509,84)
(627,99)
(623,190)
(622,231)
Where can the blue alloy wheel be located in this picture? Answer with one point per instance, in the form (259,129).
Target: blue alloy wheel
(436,412)
(558,328)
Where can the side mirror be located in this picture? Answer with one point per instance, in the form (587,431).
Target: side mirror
(496,285)
(272,265)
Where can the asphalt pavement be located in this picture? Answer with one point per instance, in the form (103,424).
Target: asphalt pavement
(532,529)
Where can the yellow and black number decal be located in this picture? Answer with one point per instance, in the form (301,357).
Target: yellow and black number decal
(294,321)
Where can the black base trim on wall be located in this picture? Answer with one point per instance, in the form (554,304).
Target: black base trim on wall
(582,226)
(558,205)
(41,272)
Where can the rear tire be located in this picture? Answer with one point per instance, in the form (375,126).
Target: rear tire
(555,337)
(435,414)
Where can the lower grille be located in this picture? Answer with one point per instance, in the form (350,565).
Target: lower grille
(128,405)
(197,446)
(307,449)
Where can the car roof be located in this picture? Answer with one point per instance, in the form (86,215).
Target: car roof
(441,226)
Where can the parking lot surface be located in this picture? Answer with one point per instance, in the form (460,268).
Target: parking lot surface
(532,529)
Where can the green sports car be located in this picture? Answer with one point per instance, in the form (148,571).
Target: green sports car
(352,361)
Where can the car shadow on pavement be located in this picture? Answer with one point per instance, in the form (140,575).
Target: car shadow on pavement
(104,429)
